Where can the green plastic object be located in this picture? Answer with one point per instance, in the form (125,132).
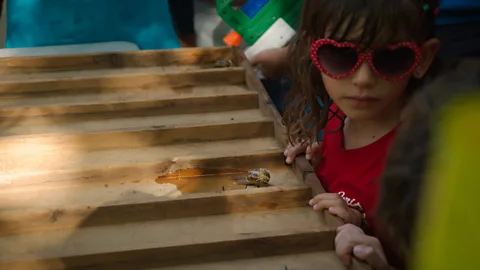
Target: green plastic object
(252,28)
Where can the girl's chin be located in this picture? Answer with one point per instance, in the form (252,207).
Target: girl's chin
(361,114)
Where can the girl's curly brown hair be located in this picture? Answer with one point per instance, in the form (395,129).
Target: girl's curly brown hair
(384,21)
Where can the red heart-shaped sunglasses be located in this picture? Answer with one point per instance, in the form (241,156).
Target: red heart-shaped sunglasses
(340,59)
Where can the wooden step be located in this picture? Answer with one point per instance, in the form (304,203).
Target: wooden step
(141,131)
(327,260)
(68,208)
(16,86)
(90,192)
(170,242)
(165,101)
(185,58)
(20,167)
(99,124)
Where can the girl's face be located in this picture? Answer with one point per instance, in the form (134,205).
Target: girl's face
(369,84)
(364,95)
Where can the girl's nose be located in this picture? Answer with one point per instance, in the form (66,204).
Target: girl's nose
(364,77)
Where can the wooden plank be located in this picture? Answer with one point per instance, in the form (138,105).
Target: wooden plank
(181,241)
(237,249)
(18,168)
(186,56)
(327,260)
(301,260)
(67,216)
(305,171)
(98,82)
(137,137)
(101,125)
(92,193)
(168,101)
(154,136)
(266,155)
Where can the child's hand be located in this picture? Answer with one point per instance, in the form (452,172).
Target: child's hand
(312,152)
(293,151)
(272,62)
(336,206)
(351,240)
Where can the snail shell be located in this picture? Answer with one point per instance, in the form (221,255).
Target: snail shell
(223,63)
(259,176)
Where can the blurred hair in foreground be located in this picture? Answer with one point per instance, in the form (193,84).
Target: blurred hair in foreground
(409,163)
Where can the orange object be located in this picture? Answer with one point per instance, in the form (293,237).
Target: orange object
(233,39)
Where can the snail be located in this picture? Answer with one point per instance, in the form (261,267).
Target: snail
(257,177)
(223,63)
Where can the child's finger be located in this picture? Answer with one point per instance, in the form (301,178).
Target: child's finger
(344,248)
(349,228)
(372,257)
(340,212)
(308,155)
(324,196)
(351,239)
(312,151)
(294,151)
(290,154)
(348,236)
(326,204)
(285,153)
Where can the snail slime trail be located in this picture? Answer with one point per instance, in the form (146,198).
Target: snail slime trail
(199,180)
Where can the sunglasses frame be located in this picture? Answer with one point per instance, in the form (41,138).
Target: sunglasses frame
(362,57)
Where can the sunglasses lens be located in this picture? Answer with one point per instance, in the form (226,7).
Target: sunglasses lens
(337,61)
(393,63)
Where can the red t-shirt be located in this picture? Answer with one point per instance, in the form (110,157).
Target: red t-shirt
(352,173)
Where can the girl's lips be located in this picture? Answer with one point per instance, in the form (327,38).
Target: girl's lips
(361,102)
(362,98)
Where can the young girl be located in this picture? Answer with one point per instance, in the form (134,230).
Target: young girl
(402,182)
(362,60)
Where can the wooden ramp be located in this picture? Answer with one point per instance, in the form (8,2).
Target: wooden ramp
(126,160)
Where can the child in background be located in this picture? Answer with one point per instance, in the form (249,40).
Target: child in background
(362,60)
(404,176)
(182,16)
